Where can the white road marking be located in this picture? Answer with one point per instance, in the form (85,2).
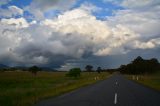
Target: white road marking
(115,98)
(116,83)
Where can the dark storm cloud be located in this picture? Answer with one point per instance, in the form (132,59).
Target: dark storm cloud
(114,61)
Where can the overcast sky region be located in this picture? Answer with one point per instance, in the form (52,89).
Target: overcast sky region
(63,34)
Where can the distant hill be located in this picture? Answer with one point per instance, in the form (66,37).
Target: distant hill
(20,67)
(24,68)
(3,66)
(47,69)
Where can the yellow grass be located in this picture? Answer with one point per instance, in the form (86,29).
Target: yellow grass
(25,89)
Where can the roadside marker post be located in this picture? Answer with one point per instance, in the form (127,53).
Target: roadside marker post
(137,78)
(133,77)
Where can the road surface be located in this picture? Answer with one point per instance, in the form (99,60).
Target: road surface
(115,91)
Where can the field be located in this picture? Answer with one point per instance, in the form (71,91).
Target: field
(25,89)
(151,80)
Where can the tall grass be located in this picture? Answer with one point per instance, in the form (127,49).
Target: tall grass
(150,80)
(25,89)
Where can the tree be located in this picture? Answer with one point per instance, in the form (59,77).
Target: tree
(141,66)
(99,70)
(138,60)
(89,68)
(34,70)
(74,72)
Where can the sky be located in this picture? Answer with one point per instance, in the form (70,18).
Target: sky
(64,34)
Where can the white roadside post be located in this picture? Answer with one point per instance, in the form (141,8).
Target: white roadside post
(137,78)
(133,77)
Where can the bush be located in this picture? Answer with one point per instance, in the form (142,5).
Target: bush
(74,72)
(34,70)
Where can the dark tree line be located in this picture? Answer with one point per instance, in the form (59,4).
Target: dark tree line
(32,69)
(140,66)
(137,66)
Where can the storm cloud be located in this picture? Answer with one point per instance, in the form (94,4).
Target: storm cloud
(76,37)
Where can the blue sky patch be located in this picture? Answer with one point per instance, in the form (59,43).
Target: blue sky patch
(107,8)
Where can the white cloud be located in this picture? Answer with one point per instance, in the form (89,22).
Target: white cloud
(72,34)
(18,23)
(86,6)
(14,35)
(76,33)
(52,4)
(135,4)
(11,11)
(104,38)
(146,23)
(121,36)
(147,45)
(10,38)
(140,17)
(139,4)
(81,22)
(15,10)
(39,7)
(144,45)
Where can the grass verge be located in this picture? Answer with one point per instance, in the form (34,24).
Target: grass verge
(24,89)
(152,80)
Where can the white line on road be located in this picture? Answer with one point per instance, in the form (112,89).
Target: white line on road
(116,83)
(115,98)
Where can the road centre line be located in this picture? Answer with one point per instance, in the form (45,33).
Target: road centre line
(115,98)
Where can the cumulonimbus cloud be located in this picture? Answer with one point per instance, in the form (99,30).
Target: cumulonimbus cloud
(76,33)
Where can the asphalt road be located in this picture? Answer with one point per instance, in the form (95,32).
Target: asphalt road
(116,90)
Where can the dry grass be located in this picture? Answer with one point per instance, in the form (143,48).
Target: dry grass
(152,80)
(24,89)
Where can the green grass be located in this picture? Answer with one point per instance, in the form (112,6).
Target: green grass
(151,80)
(24,89)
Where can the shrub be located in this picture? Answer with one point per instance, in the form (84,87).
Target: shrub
(74,72)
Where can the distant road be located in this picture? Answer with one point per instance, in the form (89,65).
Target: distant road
(116,90)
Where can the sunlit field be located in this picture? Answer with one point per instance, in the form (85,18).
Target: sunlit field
(25,89)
